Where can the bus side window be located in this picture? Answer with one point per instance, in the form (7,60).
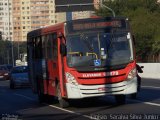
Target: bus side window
(32,45)
(38,48)
(49,46)
(55,46)
(44,46)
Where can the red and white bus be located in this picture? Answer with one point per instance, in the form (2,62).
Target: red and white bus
(83,58)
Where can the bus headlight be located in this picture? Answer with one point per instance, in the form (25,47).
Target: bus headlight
(132,74)
(71,79)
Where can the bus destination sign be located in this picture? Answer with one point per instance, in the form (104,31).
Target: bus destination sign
(94,25)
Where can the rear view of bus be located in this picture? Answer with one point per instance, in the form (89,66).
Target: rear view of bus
(100,59)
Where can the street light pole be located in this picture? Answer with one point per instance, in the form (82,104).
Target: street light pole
(102,5)
(12,53)
(8,56)
(9,34)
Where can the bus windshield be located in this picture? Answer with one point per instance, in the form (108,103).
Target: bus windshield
(98,49)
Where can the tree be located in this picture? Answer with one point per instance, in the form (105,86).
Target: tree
(144,17)
(0,35)
(6,51)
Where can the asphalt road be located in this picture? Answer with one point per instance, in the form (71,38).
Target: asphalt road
(22,104)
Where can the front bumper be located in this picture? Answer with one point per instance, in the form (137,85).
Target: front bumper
(84,91)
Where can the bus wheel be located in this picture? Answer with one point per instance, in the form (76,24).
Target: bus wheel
(120,99)
(134,96)
(62,101)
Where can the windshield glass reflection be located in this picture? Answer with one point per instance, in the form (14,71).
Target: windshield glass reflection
(109,49)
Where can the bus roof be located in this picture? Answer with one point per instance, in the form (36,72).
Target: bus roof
(45,30)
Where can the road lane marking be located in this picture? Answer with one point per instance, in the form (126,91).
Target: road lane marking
(59,108)
(29,98)
(151,87)
(69,111)
(87,116)
(154,104)
(23,110)
(148,103)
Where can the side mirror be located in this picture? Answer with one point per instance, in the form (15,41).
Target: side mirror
(63,49)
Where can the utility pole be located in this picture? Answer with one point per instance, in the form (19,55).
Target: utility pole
(9,33)
(8,56)
(102,5)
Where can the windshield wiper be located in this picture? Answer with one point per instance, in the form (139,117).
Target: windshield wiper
(84,39)
(110,43)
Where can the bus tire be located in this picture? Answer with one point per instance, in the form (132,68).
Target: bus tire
(120,99)
(134,96)
(63,103)
(41,96)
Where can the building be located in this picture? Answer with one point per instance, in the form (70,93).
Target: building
(30,15)
(85,14)
(5,18)
(18,17)
(81,14)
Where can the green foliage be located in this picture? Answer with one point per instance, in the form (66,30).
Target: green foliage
(144,18)
(3,51)
(6,50)
(0,35)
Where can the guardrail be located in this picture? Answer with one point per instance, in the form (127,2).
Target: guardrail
(150,70)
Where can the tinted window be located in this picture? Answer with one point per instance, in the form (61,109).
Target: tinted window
(21,69)
(3,68)
(9,67)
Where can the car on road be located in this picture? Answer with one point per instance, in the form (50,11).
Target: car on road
(19,77)
(9,66)
(4,72)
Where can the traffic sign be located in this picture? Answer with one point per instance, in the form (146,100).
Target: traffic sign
(74,5)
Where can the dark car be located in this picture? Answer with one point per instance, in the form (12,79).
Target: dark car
(19,77)
(4,72)
(9,67)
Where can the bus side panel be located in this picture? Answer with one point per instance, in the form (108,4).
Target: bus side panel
(61,63)
(52,76)
(52,65)
(39,74)
(31,67)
